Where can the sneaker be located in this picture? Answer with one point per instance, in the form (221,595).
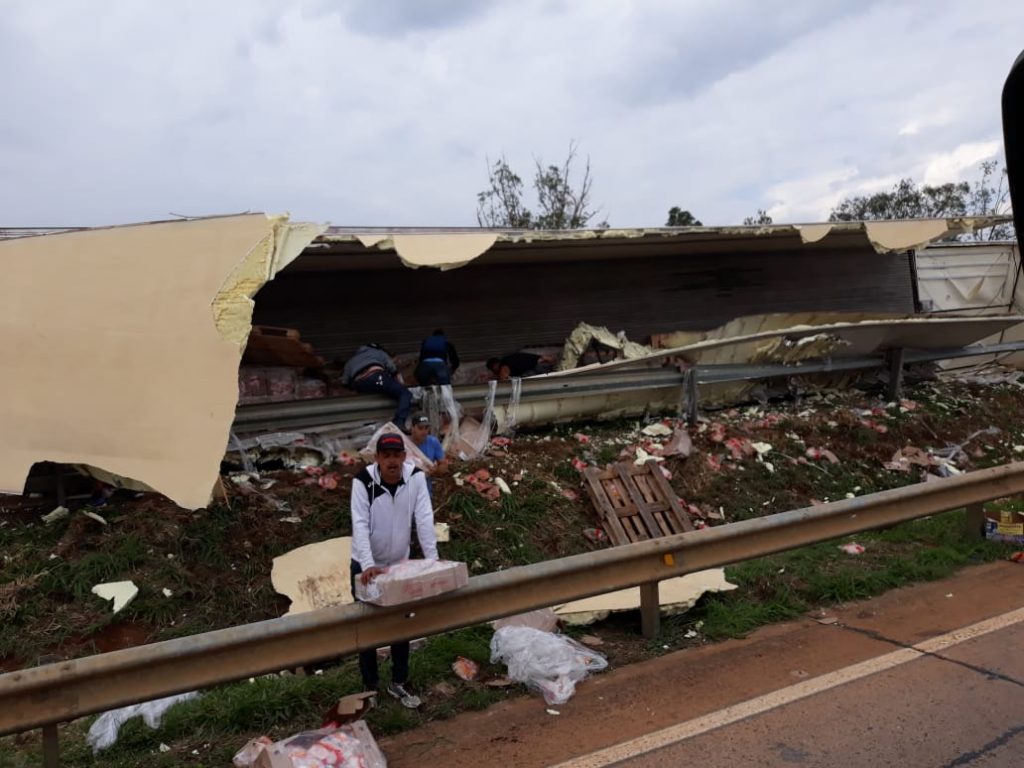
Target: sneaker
(404,696)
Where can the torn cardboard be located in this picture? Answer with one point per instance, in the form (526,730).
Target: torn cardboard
(124,345)
(314,576)
(675,596)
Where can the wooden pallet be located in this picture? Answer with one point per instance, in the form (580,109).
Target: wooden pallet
(635,503)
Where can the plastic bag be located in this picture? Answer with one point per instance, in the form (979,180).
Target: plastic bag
(549,663)
(103,732)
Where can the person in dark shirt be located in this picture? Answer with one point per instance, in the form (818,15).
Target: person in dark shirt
(519,364)
(371,371)
(438,360)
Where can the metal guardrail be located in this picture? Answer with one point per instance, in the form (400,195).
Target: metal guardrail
(60,692)
(301,414)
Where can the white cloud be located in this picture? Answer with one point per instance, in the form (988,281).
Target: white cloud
(961,162)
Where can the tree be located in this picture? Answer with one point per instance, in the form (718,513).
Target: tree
(761,218)
(677,217)
(561,202)
(906,200)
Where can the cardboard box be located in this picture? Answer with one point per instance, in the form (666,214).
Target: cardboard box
(412,580)
(1005,525)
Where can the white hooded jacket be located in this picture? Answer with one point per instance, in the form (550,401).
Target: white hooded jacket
(382,523)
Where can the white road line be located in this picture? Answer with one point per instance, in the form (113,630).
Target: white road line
(682,731)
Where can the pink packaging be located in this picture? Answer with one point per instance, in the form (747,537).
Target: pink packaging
(412,580)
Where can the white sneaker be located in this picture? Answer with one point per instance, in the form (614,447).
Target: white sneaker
(404,696)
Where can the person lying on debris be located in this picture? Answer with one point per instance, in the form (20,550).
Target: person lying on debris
(438,360)
(393,494)
(371,371)
(431,448)
(520,364)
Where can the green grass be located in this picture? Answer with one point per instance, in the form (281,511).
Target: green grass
(784,586)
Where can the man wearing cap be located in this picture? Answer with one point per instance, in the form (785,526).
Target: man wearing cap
(388,497)
(431,448)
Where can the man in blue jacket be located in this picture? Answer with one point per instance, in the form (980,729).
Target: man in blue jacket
(388,497)
(438,360)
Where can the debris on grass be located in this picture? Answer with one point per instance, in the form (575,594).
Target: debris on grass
(658,429)
(852,548)
(93,516)
(465,669)
(103,732)
(121,592)
(502,485)
(442,532)
(59,513)
(818,454)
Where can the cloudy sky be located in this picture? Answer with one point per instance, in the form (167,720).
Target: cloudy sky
(384,112)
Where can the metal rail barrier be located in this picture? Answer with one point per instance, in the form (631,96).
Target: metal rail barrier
(300,414)
(60,692)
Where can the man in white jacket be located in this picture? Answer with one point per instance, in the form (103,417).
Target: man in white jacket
(388,497)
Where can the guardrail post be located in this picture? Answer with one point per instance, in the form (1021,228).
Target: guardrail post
(650,610)
(51,746)
(895,372)
(976,521)
(690,388)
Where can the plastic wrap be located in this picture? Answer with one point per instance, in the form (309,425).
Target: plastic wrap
(545,662)
(347,746)
(103,732)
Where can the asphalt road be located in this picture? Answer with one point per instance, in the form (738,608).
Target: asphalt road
(930,675)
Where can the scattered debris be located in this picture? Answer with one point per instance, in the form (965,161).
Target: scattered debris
(827,620)
(549,663)
(482,484)
(852,548)
(293,520)
(103,732)
(595,535)
(552,711)
(465,669)
(57,514)
(680,445)
(349,708)
(166,592)
(1017,557)
(591,640)
(121,592)
(690,634)
(442,532)
(502,486)
(909,456)
(581,438)
(94,516)
(658,429)
(346,746)
(817,454)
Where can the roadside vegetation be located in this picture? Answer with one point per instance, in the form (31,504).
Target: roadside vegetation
(216,562)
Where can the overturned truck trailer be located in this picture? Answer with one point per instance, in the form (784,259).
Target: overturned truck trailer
(127,341)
